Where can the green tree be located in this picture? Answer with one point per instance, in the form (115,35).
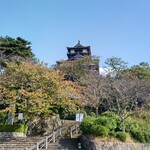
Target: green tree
(141,71)
(115,65)
(12,49)
(74,70)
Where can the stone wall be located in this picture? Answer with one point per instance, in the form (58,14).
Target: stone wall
(12,134)
(94,145)
(45,125)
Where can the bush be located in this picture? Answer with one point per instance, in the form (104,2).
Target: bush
(132,125)
(138,135)
(86,125)
(99,130)
(121,136)
(138,132)
(110,115)
(13,128)
(147,136)
(108,122)
(3,117)
(92,114)
(112,134)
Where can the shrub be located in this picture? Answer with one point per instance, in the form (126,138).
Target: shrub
(92,114)
(132,125)
(99,130)
(3,117)
(138,132)
(13,128)
(121,136)
(147,136)
(112,134)
(138,135)
(110,115)
(86,125)
(108,122)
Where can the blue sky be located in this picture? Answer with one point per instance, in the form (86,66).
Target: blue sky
(118,28)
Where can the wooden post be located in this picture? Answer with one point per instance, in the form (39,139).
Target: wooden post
(53,136)
(37,146)
(46,142)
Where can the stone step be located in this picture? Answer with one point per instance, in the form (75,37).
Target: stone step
(20,139)
(65,144)
(21,143)
(18,143)
(30,142)
(12,148)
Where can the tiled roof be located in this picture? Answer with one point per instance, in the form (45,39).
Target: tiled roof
(78,45)
(78,56)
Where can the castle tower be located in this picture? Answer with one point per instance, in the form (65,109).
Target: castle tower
(78,51)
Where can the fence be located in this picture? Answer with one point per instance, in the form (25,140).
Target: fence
(53,136)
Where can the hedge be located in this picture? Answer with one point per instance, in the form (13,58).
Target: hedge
(14,128)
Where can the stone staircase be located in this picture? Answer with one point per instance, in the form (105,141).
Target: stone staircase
(65,142)
(12,143)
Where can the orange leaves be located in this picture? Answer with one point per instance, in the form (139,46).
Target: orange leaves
(36,89)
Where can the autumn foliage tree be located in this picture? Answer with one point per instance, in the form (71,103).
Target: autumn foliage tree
(35,89)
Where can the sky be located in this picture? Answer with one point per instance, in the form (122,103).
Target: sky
(119,28)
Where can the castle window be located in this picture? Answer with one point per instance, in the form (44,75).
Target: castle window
(85,51)
(72,51)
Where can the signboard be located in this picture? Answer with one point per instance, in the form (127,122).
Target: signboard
(10,120)
(20,116)
(79,117)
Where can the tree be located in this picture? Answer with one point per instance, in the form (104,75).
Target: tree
(128,96)
(34,90)
(15,50)
(74,70)
(115,65)
(141,71)
(94,89)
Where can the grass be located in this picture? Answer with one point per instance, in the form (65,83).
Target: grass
(112,139)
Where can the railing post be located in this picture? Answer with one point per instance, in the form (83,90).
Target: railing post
(60,131)
(37,146)
(46,142)
(53,136)
(76,129)
(26,148)
(71,132)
